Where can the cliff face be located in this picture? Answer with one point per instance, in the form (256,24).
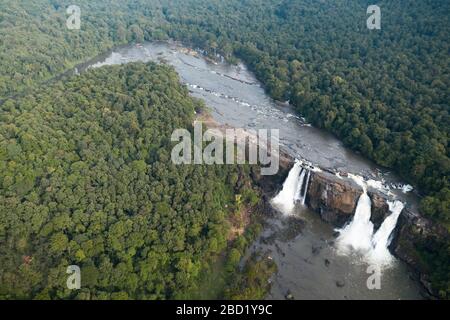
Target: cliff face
(333,199)
(336,199)
(271,184)
(413,232)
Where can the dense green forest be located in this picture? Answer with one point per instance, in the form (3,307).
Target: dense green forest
(385,92)
(87,180)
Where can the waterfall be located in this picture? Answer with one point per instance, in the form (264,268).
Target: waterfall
(294,188)
(382,238)
(285,200)
(298,193)
(306,187)
(358,233)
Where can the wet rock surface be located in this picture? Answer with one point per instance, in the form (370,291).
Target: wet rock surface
(380,208)
(334,199)
(415,232)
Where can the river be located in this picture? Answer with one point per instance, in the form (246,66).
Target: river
(308,265)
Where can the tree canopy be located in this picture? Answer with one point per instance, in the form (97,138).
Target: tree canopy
(385,92)
(87,180)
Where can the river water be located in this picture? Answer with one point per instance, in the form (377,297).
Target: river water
(308,264)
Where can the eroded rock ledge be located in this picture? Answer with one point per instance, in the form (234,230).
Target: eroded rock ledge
(335,199)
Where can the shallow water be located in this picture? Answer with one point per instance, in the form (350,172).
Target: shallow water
(310,267)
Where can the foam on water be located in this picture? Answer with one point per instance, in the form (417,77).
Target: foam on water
(285,199)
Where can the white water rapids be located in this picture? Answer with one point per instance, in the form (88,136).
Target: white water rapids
(358,235)
(308,176)
(292,189)
(382,239)
(298,193)
(285,200)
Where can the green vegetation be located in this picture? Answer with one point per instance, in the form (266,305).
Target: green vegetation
(436,256)
(253,282)
(87,180)
(385,93)
(225,279)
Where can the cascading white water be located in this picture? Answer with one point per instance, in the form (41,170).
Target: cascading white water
(285,200)
(357,234)
(382,238)
(308,176)
(298,193)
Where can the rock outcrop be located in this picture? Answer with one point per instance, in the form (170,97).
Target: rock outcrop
(271,184)
(380,208)
(335,200)
(413,232)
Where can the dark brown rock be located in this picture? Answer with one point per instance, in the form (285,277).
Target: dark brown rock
(333,198)
(380,208)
